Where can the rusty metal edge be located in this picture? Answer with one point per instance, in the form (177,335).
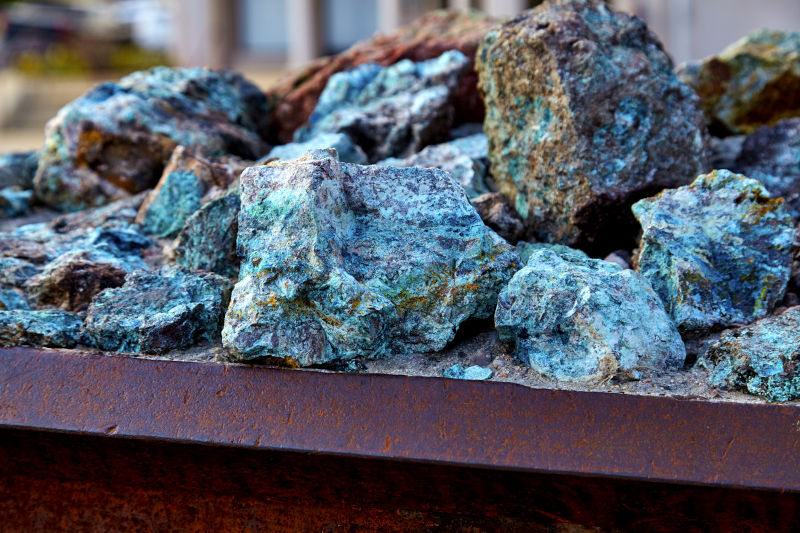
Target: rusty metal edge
(474,424)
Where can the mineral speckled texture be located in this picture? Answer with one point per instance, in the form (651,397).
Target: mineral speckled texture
(341,261)
(156,311)
(184,186)
(762,359)
(389,111)
(771,154)
(574,318)
(584,116)
(116,139)
(466,159)
(341,142)
(52,328)
(427,37)
(208,239)
(718,252)
(753,82)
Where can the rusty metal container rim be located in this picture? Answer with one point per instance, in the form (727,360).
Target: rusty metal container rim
(431,420)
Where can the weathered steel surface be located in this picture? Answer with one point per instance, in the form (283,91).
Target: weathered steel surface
(493,425)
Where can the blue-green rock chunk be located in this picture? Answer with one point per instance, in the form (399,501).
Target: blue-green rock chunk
(574,318)
(17,169)
(11,299)
(116,139)
(471,373)
(156,311)
(762,359)
(347,150)
(390,111)
(718,252)
(51,328)
(15,202)
(342,261)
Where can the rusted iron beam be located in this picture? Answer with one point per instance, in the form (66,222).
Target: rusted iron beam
(445,422)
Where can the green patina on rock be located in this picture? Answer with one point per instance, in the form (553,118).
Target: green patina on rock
(584,115)
(208,239)
(574,318)
(390,111)
(753,82)
(718,252)
(156,311)
(55,329)
(116,139)
(342,261)
(762,359)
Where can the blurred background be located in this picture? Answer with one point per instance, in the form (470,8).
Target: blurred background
(52,52)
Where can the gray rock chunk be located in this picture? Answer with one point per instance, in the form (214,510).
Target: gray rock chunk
(762,359)
(390,111)
(115,140)
(498,214)
(466,159)
(17,169)
(52,328)
(208,239)
(342,261)
(573,318)
(156,311)
(341,142)
(585,115)
(15,202)
(771,155)
(718,252)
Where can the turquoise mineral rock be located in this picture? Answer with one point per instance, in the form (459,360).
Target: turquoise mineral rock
(718,252)
(208,239)
(15,202)
(472,373)
(11,299)
(342,261)
(584,116)
(466,159)
(762,359)
(341,142)
(116,139)
(771,155)
(156,311)
(389,111)
(17,169)
(52,328)
(574,318)
(751,83)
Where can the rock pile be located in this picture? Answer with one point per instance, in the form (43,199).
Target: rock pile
(384,223)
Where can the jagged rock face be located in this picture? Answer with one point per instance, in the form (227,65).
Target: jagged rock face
(753,82)
(208,239)
(584,116)
(342,261)
(186,184)
(52,328)
(341,142)
(389,111)
(498,214)
(429,36)
(771,154)
(156,311)
(17,169)
(116,139)
(718,252)
(574,318)
(762,359)
(466,159)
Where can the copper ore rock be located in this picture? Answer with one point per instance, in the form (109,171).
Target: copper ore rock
(116,139)
(718,252)
(51,328)
(342,261)
(185,185)
(296,95)
(156,311)
(584,116)
(466,159)
(498,214)
(11,299)
(208,239)
(17,169)
(341,142)
(771,154)
(389,111)
(762,359)
(573,318)
(753,82)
